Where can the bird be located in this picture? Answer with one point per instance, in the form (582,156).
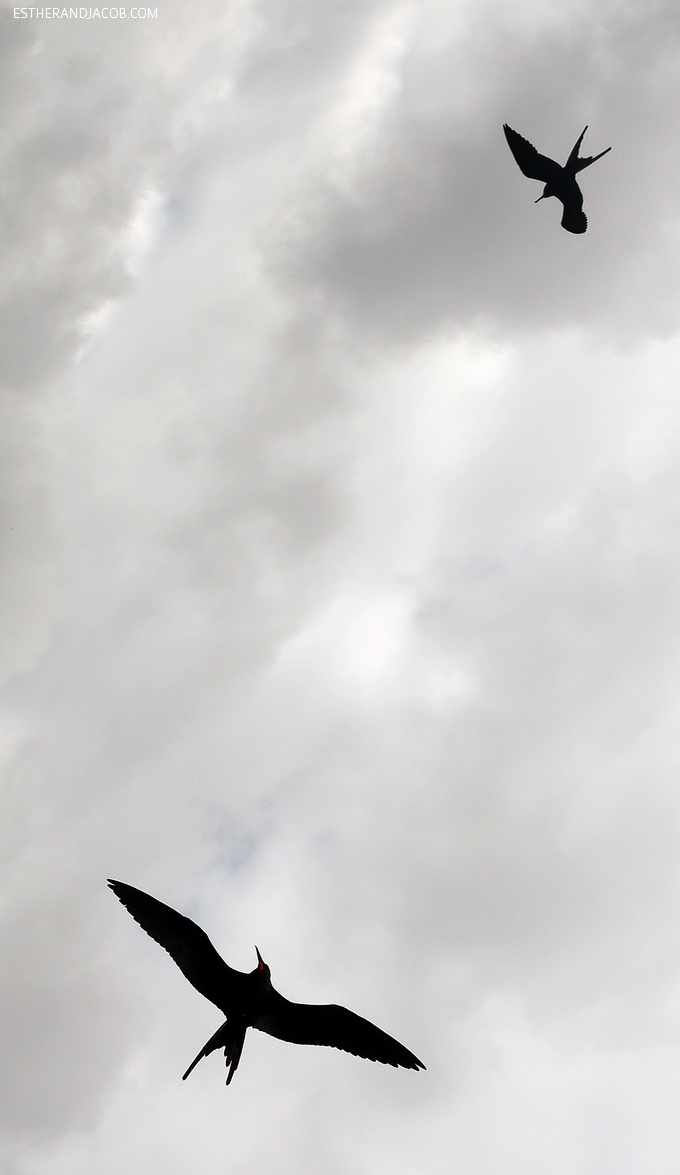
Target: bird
(559,181)
(248,1000)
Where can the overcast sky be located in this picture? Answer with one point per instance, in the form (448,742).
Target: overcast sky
(340,582)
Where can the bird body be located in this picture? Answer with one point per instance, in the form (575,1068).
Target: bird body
(250,1000)
(559,181)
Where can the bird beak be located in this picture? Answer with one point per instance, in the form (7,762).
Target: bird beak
(260,960)
(540,198)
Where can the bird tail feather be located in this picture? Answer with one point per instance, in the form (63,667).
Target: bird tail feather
(581,163)
(233,1055)
(221,1039)
(573,154)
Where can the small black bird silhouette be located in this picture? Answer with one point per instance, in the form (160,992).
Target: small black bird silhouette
(249,1000)
(559,181)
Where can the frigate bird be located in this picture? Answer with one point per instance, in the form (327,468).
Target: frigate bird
(559,181)
(249,1000)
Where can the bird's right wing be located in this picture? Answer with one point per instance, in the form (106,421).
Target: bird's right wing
(574,219)
(188,945)
(534,166)
(336,1027)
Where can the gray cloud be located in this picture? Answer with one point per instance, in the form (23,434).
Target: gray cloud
(339,584)
(438,227)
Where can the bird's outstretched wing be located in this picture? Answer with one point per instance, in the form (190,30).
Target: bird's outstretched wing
(534,166)
(574,219)
(188,945)
(329,1024)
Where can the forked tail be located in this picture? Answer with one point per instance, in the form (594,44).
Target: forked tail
(581,163)
(574,163)
(230,1037)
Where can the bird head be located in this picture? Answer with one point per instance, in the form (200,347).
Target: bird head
(546,193)
(262,968)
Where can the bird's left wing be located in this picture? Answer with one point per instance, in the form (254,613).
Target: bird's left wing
(534,166)
(188,945)
(337,1027)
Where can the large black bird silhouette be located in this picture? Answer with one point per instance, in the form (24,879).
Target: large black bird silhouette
(559,181)
(249,1000)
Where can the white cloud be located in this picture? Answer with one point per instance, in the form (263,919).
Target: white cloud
(339,584)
